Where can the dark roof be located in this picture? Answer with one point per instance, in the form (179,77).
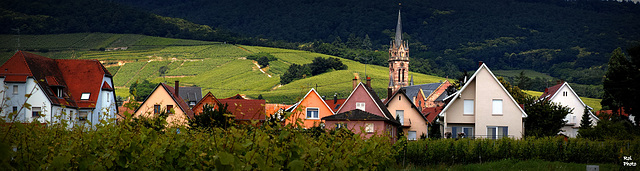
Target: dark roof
(442,96)
(245,109)
(377,100)
(191,93)
(355,115)
(74,76)
(412,91)
(181,103)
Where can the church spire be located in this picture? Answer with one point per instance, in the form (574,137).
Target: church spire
(399,30)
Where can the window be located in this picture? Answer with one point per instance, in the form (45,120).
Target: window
(156,109)
(312,113)
(564,93)
(455,131)
(15,89)
(369,128)
(36,111)
(59,92)
(399,98)
(497,106)
(497,132)
(341,125)
(192,103)
(412,135)
(82,115)
(468,107)
(360,105)
(15,109)
(170,109)
(85,96)
(400,115)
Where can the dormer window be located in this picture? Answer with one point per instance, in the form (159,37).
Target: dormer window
(59,92)
(85,96)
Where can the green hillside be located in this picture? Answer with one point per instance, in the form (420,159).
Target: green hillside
(593,102)
(217,67)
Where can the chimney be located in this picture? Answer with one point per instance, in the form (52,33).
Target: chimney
(355,82)
(335,98)
(369,81)
(389,92)
(177,89)
(480,63)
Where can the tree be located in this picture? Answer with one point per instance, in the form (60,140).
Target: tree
(544,118)
(262,58)
(619,83)
(295,72)
(212,117)
(434,130)
(523,81)
(585,123)
(141,91)
(163,70)
(321,65)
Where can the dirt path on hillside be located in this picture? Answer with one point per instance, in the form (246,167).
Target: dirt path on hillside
(256,63)
(243,49)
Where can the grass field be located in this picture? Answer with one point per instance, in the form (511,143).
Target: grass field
(214,66)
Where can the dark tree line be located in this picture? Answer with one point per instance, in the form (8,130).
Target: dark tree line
(318,66)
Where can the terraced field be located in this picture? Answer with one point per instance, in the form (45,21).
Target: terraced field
(217,67)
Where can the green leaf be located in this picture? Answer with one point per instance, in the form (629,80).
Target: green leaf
(296,165)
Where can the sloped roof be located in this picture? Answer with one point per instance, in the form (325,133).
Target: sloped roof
(524,114)
(245,109)
(372,94)
(106,86)
(75,76)
(335,105)
(181,103)
(191,93)
(412,91)
(551,91)
(293,107)
(431,113)
(355,115)
(413,106)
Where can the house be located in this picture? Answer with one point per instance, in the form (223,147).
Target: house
(564,95)
(191,95)
(427,95)
(414,124)
(335,103)
(165,98)
(80,91)
(309,110)
(482,108)
(208,99)
(245,110)
(276,109)
(363,111)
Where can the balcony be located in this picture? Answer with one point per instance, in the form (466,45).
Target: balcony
(406,123)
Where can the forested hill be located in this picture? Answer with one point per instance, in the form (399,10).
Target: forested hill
(570,40)
(81,16)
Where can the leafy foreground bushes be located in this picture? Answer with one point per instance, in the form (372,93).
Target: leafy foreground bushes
(465,151)
(127,147)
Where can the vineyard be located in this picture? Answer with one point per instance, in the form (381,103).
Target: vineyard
(215,66)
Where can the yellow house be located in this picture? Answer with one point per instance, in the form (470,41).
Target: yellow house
(166,98)
(414,124)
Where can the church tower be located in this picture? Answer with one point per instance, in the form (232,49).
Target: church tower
(398,60)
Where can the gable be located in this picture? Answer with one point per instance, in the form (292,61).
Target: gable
(207,99)
(312,99)
(361,95)
(401,101)
(486,83)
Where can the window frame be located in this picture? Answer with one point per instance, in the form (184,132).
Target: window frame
(169,110)
(312,117)
(369,128)
(415,135)
(36,113)
(85,96)
(465,104)
(157,109)
(362,104)
(15,89)
(496,131)
(400,116)
(493,107)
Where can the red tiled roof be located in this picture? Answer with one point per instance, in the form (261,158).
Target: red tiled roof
(245,109)
(183,105)
(604,114)
(106,86)
(549,92)
(75,76)
(335,106)
(431,113)
(271,108)
(237,96)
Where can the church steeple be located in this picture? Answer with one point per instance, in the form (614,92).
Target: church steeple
(399,30)
(398,59)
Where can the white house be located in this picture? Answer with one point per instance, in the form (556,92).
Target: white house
(564,95)
(80,91)
(483,108)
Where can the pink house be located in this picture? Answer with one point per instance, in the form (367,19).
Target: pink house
(363,112)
